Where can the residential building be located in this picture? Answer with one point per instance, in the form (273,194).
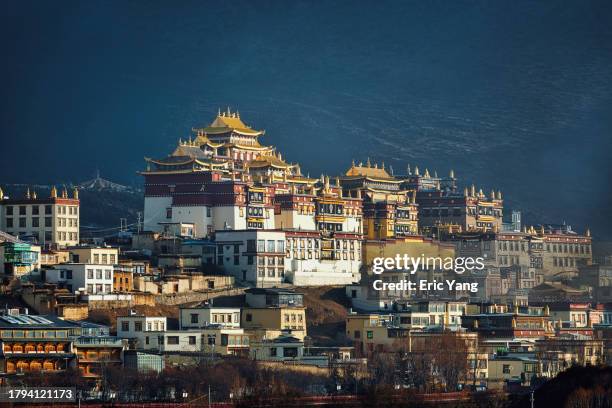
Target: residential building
(91,278)
(282,348)
(52,221)
(204,315)
(273,311)
(136,327)
(94,255)
(225,340)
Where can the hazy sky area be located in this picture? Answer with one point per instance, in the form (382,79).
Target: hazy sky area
(513,95)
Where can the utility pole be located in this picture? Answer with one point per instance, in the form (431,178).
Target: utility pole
(532,399)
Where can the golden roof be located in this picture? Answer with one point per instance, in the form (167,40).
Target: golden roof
(227,122)
(268,160)
(369,171)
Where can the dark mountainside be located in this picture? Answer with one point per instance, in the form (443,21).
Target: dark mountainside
(512,96)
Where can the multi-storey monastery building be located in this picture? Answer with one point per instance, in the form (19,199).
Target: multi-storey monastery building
(274,224)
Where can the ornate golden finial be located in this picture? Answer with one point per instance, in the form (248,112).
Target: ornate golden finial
(391,170)
(499,195)
(452,174)
(327,184)
(238,114)
(375,165)
(228,112)
(34,195)
(383,165)
(219,113)
(480,193)
(180,141)
(465,192)
(337,181)
(28,196)
(368,163)
(53,192)
(1,194)
(416,171)
(542,230)
(75,193)
(436,173)
(64,192)
(427,172)
(408,170)
(414,196)
(473,191)
(360,164)
(588,232)
(492,194)
(353,164)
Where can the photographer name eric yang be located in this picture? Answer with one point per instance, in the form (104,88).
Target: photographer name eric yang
(409,264)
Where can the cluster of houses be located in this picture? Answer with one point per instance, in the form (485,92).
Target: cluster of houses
(269,325)
(227,215)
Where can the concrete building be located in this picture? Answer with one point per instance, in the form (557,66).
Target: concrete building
(270,312)
(254,256)
(137,327)
(52,221)
(224,340)
(281,348)
(91,278)
(94,255)
(206,314)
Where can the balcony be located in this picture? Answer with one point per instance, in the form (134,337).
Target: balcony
(100,341)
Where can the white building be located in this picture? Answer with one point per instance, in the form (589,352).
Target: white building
(254,256)
(204,315)
(91,278)
(314,258)
(138,327)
